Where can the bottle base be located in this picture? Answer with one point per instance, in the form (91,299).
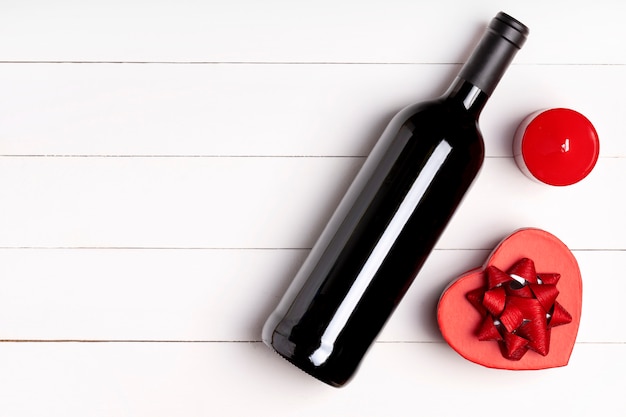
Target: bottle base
(286,349)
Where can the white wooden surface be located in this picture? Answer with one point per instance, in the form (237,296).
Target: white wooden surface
(165,167)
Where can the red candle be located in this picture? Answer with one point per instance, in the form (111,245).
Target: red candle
(556,146)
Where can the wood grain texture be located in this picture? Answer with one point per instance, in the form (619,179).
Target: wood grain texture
(225,295)
(163,379)
(271,109)
(166,166)
(271,203)
(566,32)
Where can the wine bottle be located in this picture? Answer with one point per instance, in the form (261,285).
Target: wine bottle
(390,219)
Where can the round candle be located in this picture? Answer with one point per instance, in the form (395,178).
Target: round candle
(556,146)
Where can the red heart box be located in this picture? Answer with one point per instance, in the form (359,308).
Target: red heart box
(459,319)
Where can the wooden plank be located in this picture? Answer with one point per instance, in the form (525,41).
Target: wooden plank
(118,294)
(271,203)
(169,202)
(165,379)
(282,31)
(226,295)
(271,110)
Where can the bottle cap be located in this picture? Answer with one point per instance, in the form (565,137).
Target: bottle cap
(556,146)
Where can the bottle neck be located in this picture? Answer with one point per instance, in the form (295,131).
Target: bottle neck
(482,72)
(469,95)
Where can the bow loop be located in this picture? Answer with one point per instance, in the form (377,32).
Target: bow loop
(518,309)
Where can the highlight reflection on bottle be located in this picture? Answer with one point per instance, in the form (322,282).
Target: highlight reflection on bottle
(390,219)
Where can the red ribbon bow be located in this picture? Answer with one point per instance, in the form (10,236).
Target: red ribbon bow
(519,309)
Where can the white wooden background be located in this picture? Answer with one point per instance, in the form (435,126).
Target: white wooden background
(165,167)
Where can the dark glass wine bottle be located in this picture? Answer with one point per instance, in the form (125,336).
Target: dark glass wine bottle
(390,219)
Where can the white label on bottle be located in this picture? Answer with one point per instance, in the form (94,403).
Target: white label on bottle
(373,263)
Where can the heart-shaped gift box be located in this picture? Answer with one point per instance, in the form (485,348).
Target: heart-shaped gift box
(521,309)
